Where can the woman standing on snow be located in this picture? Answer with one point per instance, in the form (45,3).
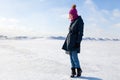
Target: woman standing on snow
(73,40)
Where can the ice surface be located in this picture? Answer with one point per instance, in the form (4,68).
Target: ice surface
(43,59)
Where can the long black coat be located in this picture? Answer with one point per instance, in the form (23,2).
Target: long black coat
(74,37)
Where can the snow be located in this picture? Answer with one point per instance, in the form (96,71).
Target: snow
(43,59)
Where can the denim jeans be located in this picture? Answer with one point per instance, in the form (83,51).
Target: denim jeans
(74,59)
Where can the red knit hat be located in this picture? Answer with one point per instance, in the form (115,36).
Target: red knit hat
(73,12)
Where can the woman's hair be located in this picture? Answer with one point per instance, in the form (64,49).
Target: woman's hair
(73,6)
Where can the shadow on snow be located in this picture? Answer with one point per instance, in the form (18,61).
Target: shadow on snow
(89,78)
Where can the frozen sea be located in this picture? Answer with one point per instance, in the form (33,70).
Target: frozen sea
(43,59)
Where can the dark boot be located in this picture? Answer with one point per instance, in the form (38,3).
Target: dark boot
(73,73)
(79,71)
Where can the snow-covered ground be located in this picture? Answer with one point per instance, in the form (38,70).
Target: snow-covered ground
(43,59)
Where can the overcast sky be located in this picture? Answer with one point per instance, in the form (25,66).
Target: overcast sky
(50,17)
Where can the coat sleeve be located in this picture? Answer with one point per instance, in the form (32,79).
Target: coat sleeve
(80,28)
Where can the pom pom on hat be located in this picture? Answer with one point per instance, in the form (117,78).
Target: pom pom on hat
(73,6)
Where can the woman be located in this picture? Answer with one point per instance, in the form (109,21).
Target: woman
(73,40)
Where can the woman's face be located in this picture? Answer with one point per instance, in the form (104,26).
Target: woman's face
(70,16)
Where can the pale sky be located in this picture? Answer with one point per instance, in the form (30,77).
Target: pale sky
(50,17)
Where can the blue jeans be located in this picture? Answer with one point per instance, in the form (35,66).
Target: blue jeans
(74,59)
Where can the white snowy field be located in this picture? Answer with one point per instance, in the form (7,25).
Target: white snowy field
(43,59)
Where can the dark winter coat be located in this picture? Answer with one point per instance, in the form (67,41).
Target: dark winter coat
(74,37)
